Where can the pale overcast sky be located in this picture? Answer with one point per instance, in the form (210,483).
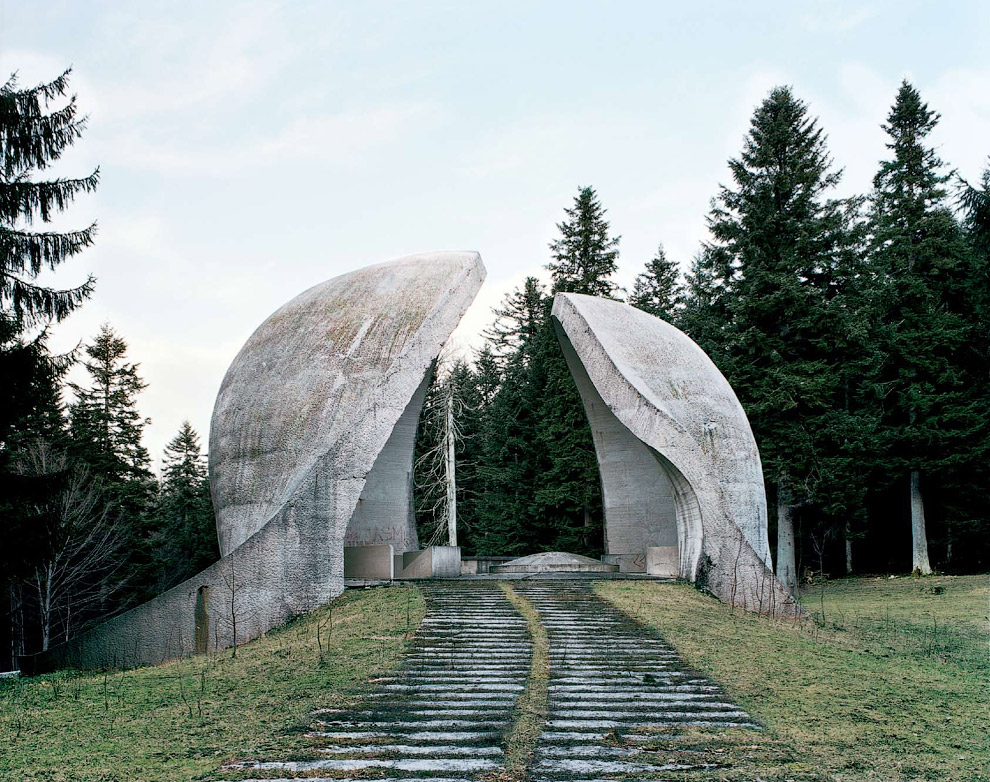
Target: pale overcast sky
(250,150)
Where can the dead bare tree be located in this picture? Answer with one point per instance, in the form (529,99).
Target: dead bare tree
(436,468)
(81,542)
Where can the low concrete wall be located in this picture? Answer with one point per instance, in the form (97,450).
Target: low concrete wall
(663,561)
(432,562)
(375,562)
(628,563)
(472,566)
(446,561)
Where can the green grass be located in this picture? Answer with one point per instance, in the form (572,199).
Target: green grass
(886,679)
(531,708)
(183,720)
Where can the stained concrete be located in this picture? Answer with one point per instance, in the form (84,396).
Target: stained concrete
(324,394)
(369,562)
(659,407)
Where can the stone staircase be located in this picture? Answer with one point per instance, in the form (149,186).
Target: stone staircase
(444,712)
(618,697)
(620,700)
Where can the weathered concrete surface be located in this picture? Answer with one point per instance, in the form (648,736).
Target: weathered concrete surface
(323,388)
(369,562)
(431,562)
(659,407)
(555,562)
(663,561)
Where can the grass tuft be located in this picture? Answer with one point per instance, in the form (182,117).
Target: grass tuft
(531,708)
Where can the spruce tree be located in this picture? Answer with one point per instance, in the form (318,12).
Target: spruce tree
(185,534)
(32,137)
(510,464)
(789,250)
(658,289)
(568,495)
(106,430)
(918,258)
(585,256)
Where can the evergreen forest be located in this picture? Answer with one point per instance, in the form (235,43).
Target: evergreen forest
(854,331)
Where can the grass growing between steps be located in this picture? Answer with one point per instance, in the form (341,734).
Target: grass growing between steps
(887,680)
(182,720)
(531,708)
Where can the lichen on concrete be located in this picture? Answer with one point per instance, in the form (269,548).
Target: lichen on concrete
(661,411)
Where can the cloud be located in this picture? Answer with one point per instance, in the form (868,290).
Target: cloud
(828,16)
(342,139)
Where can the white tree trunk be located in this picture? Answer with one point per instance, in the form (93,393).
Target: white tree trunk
(919,538)
(849,550)
(786,565)
(451,474)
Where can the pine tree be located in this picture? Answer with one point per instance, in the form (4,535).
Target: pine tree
(509,463)
(789,251)
(705,316)
(518,321)
(106,431)
(585,255)
(185,535)
(918,257)
(32,137)
(658,289)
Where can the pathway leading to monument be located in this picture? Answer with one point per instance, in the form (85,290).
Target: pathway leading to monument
(444,711)
(620,701)
(619,697)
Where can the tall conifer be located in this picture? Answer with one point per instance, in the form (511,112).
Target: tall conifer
(789,253)
(918,258)
(658,289)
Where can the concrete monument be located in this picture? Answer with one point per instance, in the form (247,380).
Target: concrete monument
(311,449)
(681,474)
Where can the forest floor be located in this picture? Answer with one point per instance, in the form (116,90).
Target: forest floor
(184,719)
(888,679)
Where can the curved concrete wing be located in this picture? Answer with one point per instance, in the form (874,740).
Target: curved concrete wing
(321,385)
(311,445)
(679,465)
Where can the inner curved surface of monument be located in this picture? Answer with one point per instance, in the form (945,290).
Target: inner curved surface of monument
(678,462)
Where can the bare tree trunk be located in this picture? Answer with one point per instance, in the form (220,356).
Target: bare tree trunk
(451,473)
(919,538)
(43,583)
(849,550)
(786,565)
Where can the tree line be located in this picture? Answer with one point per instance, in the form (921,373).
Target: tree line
(853,330)
(86,529)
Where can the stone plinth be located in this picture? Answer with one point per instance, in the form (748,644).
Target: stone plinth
(555,562)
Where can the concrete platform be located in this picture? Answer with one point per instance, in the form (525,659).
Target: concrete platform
(555,562)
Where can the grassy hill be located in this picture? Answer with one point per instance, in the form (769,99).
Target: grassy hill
(183,719)
(888,680)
